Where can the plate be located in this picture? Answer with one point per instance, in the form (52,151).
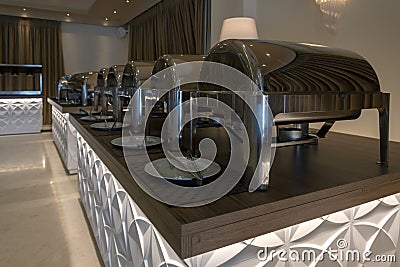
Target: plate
(163,169)
(102,117)
(83,113)
(89,118)
(97,118)
(135,141)
(102,126)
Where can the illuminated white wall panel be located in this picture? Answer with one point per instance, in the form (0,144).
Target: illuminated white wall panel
(124,235)
(21,115)
(64,136)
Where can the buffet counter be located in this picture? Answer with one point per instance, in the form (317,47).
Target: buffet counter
(21,99)
(319,195)
(20,114)
(64,134)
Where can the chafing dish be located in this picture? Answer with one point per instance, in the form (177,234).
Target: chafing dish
(77,86)
(113,90)
(98,90)
(63,86)
(307,83)
(177,96)
(302,83)
(166,93)
(118,83)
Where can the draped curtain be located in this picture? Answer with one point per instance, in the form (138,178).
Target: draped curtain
(170,27)
(34,41)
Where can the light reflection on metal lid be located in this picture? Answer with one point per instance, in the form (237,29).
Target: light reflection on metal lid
(310,44)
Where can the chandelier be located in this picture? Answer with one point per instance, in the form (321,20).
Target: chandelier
(331,12)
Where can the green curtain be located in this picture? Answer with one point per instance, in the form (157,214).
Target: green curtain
(170,27)
(34,41)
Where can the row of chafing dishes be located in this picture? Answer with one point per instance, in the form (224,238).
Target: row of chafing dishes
(303,83)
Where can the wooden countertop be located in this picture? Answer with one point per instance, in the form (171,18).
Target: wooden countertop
(307,182)
(67,108)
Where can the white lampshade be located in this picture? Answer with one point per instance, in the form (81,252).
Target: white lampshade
(239,28)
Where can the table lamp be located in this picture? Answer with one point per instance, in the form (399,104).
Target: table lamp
(238,28)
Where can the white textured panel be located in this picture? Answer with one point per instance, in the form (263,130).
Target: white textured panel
(64,136)
(125,236)
(22,115)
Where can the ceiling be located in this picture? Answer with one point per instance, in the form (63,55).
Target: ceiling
(98,12)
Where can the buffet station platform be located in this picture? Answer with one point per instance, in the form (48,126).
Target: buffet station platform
(321,191)
(315,191)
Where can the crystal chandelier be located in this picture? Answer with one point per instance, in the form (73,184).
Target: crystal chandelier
(331,11)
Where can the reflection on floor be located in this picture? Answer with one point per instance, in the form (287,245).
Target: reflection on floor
(41,220)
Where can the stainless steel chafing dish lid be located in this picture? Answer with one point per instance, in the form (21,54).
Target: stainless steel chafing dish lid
(102,77)
(170,60)
(80,78)
(304,82)
(136,72)
(114,76)
(284,67)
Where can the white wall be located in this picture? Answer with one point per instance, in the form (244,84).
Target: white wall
(90,47)
(220,10)
(367,27)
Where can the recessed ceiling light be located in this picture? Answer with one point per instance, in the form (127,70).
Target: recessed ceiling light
(115,12)
(127,1)
(68,14)
(24,9)
(106,19)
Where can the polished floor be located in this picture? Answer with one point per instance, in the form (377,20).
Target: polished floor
(41,220)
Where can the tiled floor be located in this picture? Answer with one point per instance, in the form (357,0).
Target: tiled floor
(41,220)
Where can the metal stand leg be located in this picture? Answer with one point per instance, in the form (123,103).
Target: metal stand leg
(325,129)
(384,129)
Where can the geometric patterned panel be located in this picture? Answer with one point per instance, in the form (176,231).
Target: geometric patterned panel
(72,158)
(333,240)
(126,237)
(22,115)
(64,136)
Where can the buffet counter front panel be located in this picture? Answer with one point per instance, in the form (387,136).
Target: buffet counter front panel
(64,133)
(64,136)
(125,236)
(20,115)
